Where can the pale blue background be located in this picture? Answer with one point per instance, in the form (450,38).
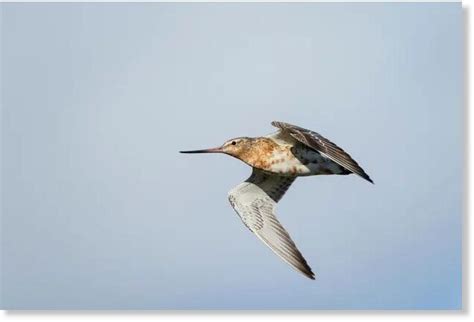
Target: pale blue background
(100,211)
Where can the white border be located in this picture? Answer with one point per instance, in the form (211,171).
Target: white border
(234,1)
(276,316)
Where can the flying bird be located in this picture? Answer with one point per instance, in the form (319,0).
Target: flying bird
(277,160)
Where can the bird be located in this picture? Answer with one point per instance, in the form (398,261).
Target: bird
(277,160)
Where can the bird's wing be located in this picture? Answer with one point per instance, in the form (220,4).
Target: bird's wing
(254,201)
(319,143)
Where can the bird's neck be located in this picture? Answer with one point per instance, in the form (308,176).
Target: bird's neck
(259,153)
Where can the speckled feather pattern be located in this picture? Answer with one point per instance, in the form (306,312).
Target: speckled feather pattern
(277,160)
(329,150)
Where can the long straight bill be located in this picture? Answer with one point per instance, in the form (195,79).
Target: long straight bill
(213,150)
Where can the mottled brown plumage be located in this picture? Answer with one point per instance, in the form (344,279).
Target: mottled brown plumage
(277,160)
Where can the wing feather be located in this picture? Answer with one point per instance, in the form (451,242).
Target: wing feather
(254,201)
(319,143)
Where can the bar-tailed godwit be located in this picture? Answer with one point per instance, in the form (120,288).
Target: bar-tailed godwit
(277,159)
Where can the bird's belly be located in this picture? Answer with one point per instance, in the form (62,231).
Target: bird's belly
(302,163)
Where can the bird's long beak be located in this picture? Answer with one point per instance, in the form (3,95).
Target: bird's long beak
(213,150)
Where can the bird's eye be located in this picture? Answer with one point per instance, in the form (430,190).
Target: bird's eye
(234,143)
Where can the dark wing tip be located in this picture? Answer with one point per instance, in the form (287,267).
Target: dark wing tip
(310,275)
(306,271)
(304,268)
(366,177)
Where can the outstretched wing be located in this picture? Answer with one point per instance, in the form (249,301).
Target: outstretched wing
(254,201)
(319,143)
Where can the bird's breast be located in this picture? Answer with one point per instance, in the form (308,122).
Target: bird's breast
(287,159)
(284,162)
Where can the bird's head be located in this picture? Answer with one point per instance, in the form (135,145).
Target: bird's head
(237,147)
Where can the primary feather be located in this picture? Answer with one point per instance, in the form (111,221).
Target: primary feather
(254,201)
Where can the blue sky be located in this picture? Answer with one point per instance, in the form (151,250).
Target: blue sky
(100,211)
